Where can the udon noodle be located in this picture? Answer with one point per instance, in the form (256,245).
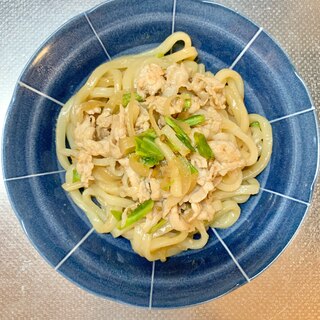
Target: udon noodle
(157,149)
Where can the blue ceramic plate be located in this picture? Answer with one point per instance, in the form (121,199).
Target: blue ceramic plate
(106,266)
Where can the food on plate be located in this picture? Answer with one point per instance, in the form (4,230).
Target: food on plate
(157,149)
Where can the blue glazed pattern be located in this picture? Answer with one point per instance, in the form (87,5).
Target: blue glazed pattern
(183,280)
(47,215)
(264,232)
(275,89)
(65,60)
(123,25)
(292,175)
(35,117)
(219,34)
(107,266)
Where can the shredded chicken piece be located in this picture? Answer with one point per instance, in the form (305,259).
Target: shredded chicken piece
(138,187)
(156,192)
(102,133)
(200,193)
(206,174)
(177,221)
(143,191)
(166,106)
(196,209)
(150,80)
(84,135)
(212,124)
(104,120)
(206,210)
(198,161)
(152,219)
(176,105)
(85,130)
(227,156)
(142,123)
(195,105)
(97,148)
(207,88)
(177,76)
(84,167)
(158,102)
(119,129)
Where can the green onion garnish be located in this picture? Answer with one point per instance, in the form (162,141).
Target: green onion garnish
(187,104)
(195,120)
(150,161)
(181,135)
(147,149)
(140,212)
(255,124)
(191,167)
(127,97)
(156,227)
(76,176)
(202,146)
(117,214)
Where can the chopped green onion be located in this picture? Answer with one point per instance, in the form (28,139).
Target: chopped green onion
(140,212)
(146,147)
(191,167)
(173,142)
(117,214)
(255,124)
(181,135)
(127,97)
(186,141)
(150,133)
(187,101)
(202,146)
(150,154)
(187,104)
(195,120)
(76,176)
(150,161)
(156,227)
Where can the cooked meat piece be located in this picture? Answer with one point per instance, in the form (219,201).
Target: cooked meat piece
(84,167)
(227,156)
(177,76)
(150,80)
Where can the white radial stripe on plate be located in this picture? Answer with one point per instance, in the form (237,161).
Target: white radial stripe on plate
(285,196)
(231,255)
(292,115)
(74,249)
(97,36)
(151,284)
(22,84)
(174,6)
(318,149)
(34,175)
(245,49)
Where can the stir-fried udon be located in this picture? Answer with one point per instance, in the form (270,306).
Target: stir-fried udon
(157,149)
